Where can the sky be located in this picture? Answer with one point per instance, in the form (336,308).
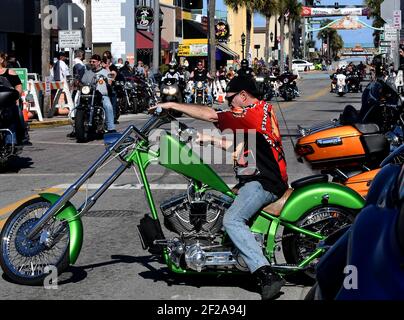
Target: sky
(358,36)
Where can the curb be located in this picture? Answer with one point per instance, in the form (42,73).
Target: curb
(49,124)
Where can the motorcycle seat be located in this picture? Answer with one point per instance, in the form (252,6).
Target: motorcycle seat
(309,180)
(367,128)
(276,207)
(111,138)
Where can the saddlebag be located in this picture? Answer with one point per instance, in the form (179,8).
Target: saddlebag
(343,146)
(149,231)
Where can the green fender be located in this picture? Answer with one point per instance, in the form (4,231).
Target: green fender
(317,194)
(69,213)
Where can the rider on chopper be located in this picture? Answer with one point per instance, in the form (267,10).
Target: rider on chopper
(256,189)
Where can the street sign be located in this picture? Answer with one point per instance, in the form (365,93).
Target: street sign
(22,73)
(390,34)
(385,43)
(70,39)
(144,17)
(77,16)
(397,19)
(387,9)
(383,49)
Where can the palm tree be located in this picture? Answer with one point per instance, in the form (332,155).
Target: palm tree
(334,40)
(212,36)
(250,6)
(282,8)
(45,47)
(378,22)
(268,9)
(295,10)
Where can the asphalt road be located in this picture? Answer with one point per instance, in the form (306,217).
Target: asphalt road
(112,264)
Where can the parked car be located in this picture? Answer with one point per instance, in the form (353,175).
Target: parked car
(301,65)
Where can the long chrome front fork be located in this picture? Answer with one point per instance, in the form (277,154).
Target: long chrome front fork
(74,188)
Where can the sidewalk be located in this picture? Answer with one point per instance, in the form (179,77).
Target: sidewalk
(56,121)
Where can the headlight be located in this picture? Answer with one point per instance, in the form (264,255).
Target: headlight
(172,91)
(128,85)
(85,90)
(259,79)
(199,85)
(286,80)
(166,91)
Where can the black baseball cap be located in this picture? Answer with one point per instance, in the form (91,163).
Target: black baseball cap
(240,83)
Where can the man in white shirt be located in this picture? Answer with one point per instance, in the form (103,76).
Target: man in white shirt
(61,70)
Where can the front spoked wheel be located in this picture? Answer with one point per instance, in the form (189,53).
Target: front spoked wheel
(25,261)
(297,247)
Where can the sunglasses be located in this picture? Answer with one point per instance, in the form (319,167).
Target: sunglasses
(231,98)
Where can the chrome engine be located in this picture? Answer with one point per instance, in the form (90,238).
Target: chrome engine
(197,219)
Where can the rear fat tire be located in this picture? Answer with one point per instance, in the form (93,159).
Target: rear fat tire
(61,266)
(290,243)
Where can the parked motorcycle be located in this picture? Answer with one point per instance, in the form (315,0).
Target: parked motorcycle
(8,139)
(48,230)
(365,265)
(288,87)
(89,120)
(125,97)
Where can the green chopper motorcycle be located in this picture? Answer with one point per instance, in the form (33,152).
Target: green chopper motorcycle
(48,230)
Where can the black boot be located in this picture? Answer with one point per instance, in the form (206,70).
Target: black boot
(269,282)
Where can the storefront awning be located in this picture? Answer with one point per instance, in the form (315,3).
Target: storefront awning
(223,52)
(144,40)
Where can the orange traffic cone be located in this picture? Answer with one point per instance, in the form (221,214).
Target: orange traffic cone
(25,114)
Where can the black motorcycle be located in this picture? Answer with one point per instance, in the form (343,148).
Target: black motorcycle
(89,119)
(266,87)
(288,86)
(8,139)
(170,91)
(353,82)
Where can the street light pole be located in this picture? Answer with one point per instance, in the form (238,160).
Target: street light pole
(243,44)
(156,38)
(271,36)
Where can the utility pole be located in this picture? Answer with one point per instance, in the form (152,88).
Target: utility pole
(70,27)
(45,47)
(212,37)
(156,38)
(304,27)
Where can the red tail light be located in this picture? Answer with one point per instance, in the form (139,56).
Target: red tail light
(304,150)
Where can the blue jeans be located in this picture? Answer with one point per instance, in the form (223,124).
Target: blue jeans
(251,198)
(109,113)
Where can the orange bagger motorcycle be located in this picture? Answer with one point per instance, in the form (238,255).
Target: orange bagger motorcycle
(351,148)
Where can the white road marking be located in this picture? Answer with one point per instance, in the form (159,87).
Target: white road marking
(136,186)
(152,174)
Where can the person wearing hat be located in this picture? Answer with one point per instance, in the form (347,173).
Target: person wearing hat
(261,170)
(103,87)
(245,70)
